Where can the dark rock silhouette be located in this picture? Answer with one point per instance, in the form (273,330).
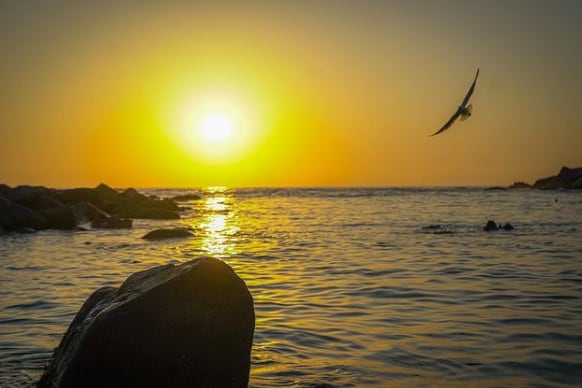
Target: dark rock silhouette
(491,225)
(132,195)
(171,326)
(520,185)
(507,226)
(567,178)
(39,208)
(60,218)
(14,216)
(159,234)
(86,211)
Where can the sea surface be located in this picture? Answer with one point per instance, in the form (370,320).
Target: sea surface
(352,287)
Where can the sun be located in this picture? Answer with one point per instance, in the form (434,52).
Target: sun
(216,128)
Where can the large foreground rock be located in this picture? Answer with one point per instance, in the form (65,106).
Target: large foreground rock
(171,326)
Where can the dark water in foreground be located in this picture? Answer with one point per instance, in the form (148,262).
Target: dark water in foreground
(352,287)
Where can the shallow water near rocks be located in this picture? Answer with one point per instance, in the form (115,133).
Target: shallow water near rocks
(352,287)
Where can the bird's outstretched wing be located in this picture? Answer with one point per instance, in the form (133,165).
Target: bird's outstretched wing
(449,123)
(471,89)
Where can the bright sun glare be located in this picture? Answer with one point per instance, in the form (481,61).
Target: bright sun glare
(216,128)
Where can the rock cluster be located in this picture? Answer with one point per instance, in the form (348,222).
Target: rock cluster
(171,326)
(30,208)
(567,178)
(491,226)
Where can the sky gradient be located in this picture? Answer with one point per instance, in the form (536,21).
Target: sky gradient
(322,93)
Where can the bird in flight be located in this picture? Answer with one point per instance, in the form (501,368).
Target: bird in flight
(463,111)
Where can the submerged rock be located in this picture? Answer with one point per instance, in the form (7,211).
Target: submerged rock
(159,234)
(171,326)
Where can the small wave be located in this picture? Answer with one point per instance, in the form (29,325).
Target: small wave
(34,305)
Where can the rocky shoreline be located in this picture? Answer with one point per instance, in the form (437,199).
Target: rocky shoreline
(566,179)
(26,209)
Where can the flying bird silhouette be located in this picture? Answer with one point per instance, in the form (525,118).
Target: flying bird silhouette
(463,111)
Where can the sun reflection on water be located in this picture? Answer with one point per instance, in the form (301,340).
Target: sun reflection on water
(219,223)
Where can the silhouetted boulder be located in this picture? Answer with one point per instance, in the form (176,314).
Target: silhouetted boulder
(159,234)
(72,196)
(60,218)
(106,193)
(566,179)
(171,326)
(16,216)
(491,225)
(24,193)
(132,195)
(86,211)
(4,189)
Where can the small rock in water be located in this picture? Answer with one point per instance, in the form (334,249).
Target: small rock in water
(167,233)
(507,226)
(491,225)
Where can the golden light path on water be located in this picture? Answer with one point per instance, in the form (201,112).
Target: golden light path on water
(219,227)
(217,224)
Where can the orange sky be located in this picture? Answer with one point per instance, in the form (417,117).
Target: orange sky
(324,93)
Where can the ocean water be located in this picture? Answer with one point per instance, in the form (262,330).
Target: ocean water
(352,287)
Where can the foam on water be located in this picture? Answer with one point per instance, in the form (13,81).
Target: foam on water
(352,287)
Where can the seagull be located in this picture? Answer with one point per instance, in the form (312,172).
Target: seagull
(464,110)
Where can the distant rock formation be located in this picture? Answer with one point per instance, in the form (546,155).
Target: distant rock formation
(567,178)
(160,234)
(171,326)
(520,185)
(34,207)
